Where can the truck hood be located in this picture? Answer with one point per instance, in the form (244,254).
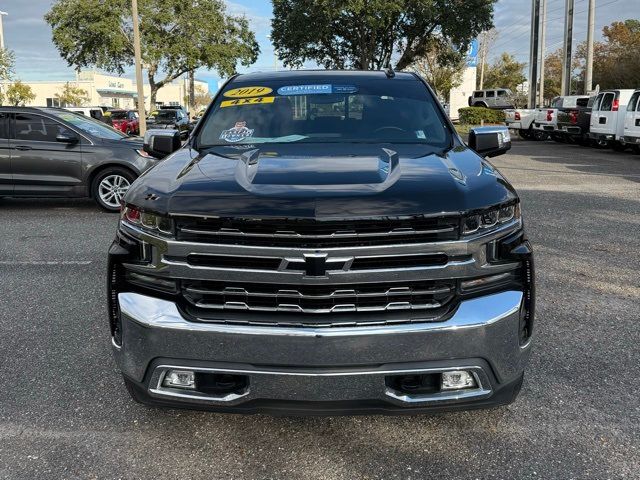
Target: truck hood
(320,181)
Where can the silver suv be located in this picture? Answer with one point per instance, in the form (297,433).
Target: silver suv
(499,99)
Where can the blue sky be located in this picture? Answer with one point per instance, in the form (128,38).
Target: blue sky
(37,59)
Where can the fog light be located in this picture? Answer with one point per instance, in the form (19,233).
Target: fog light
(457,379)
(179,379)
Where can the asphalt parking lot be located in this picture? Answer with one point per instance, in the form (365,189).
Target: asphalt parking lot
(64,412)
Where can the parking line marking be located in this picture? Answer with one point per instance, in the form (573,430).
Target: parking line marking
(43,262)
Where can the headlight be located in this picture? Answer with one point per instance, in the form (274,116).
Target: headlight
(150,222)
(490,218)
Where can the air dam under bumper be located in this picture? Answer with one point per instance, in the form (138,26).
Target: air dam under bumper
(325,370)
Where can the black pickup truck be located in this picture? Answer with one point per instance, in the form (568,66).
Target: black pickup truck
(573,122)
(324,243)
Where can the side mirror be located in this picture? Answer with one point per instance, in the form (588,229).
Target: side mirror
(490,141)
(67,138)
(160,143)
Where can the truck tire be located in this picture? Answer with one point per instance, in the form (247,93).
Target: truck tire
(540,136)
(618,147)
(526,134)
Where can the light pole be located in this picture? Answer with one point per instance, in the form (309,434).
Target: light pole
(533,53)
(588,82)
(138,57)
(2,14)
(543,46)
(568,47)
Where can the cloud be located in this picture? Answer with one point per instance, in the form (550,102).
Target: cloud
(29,36)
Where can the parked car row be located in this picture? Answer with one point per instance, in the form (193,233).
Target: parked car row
(609,119)
(53,152)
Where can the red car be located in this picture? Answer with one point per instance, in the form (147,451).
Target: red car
(126,121)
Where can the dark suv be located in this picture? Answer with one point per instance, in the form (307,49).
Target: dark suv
(51,152)
(324,243)
(171,118)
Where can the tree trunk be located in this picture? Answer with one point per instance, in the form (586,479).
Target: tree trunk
(153,91)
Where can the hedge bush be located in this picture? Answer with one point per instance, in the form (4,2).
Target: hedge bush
(475,115)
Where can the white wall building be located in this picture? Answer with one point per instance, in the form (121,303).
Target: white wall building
(110,91)
(459,96)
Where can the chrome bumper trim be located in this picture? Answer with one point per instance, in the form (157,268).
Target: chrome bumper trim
(372,376)
(477,312)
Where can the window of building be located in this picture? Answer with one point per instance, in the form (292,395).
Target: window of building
(53,102)
(115,102)
(37,128)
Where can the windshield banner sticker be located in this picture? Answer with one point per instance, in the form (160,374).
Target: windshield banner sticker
(246,101)
(246,92)
(236,134)
(316,89)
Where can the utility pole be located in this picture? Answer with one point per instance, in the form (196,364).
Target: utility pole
(483,58)
(192,93)
(543,41)
(138,60)
(533,53)
(568,47)
(588,81)
(2,14)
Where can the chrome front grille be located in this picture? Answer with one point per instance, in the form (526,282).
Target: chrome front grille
(307,233)
(318,299)
(270,272)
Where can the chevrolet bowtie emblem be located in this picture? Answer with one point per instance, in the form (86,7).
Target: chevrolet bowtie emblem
(317,264)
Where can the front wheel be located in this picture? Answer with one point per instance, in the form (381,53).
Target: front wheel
(109,187)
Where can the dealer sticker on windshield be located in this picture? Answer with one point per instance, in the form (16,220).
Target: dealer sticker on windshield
(238,102)
(246,92)
(236,134)
(316,89)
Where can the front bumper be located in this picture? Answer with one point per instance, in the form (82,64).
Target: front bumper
(571,130)
(631,140)
(325,370)
(609,137)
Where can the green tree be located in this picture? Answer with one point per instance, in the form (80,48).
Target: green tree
(505,72)
(7,62)
(72,95)
(366,34)
(18,94)
(202,99)
(441,66)
(615,60)
(176,36)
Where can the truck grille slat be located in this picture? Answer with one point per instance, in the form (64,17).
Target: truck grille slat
(317,299)
(315,233)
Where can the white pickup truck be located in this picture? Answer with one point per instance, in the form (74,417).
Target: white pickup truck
(546,119)
(520,119)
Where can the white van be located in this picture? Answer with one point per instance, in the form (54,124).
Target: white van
(632,121)
(607,117)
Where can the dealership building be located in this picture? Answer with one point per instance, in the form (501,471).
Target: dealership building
(111,91)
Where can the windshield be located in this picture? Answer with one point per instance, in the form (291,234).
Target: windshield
(89,125)
(119,115)
(166,115)
(399,110)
